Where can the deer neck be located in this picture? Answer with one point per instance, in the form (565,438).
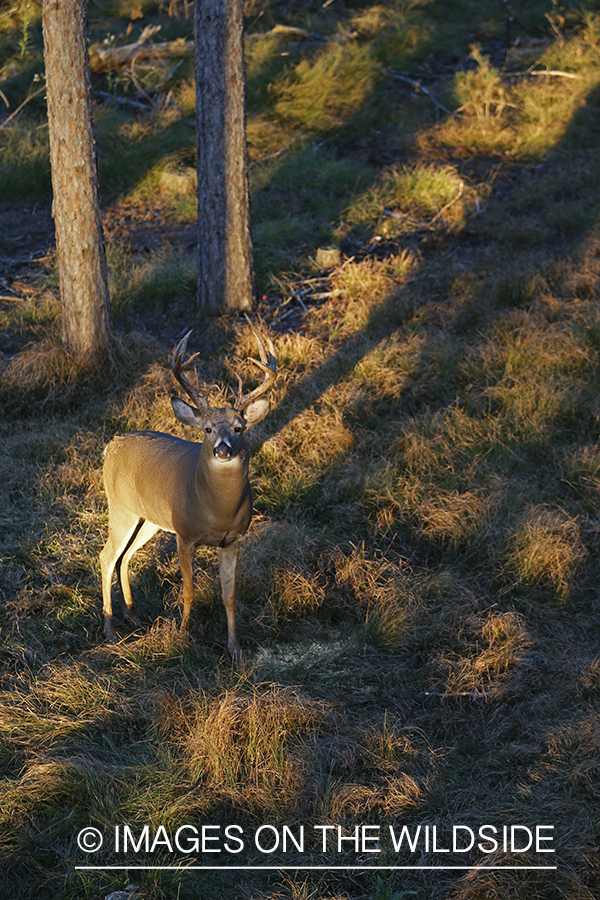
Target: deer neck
(222,483)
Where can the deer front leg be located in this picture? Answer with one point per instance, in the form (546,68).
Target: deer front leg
(228,557)
(186,558)
(107,563)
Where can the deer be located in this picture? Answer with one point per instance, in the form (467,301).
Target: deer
(199,491)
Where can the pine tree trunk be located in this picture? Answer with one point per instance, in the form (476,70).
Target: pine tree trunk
(80,247)
(225,275)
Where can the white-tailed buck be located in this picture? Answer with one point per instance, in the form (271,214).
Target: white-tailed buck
(199,492)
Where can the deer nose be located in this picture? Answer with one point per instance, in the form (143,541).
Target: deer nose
(222,450)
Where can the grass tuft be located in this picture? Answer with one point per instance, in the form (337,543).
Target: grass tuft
(405,198)
(242,745)
(546,549)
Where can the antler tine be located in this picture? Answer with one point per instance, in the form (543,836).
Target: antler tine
(178,365)
(269,367)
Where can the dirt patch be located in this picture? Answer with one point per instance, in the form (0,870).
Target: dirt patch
(146,227)
(26,238)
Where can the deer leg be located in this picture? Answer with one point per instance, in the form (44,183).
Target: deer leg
(228,557)
(119,536)
(145,531)
(185,551)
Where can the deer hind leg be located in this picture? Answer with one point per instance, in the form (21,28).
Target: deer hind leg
(145,530)
(228,557)
(120,532)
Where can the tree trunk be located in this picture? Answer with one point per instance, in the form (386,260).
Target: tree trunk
(225,276)
(80,248)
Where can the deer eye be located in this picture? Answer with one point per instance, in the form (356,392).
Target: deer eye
(237,429)
(208,430)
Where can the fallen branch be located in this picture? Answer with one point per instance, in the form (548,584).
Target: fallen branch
(124,101)
(104,59)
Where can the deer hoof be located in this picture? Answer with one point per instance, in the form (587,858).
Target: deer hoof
(236,653)
(132,617)
(109,631)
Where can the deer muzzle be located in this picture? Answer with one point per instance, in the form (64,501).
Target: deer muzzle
(222,450)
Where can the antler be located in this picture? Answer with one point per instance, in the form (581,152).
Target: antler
(268,366)
(178,366)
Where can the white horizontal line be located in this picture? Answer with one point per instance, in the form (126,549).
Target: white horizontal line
(299,868)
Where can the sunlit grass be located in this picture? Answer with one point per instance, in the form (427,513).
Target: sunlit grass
(523,116)
(405,198)
(546,549)
(326,91)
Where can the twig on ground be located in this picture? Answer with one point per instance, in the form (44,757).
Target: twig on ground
(26,259)
(286,314)
(281,150)
(124,101)
(20,107)
(555,72)
(396,215)
(418,87)
(476,695)
(324,295)
(440,213)
(423,226)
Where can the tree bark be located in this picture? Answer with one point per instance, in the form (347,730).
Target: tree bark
(86,316)
(225,274)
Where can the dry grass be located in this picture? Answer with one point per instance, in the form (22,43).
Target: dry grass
(295,591)
(485,674)
(546,549)
(241,747)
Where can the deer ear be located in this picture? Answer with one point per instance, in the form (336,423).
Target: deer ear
(187,414)
(255,412)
